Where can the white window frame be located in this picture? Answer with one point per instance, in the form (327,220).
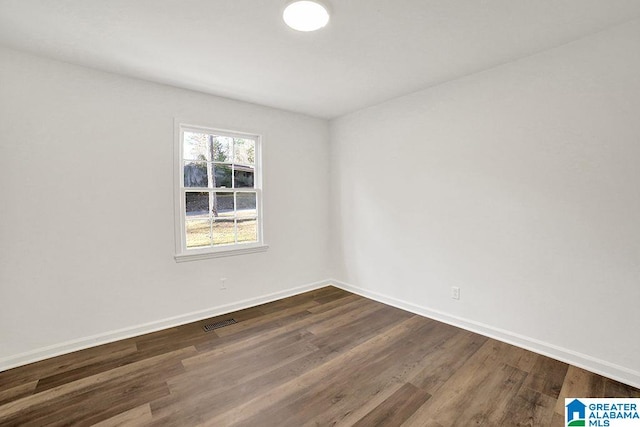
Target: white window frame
(184,254)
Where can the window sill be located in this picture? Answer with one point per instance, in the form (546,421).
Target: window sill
(219,254)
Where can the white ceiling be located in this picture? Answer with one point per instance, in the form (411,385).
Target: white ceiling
(372,50)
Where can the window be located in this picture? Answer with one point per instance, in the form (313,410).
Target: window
(218,193)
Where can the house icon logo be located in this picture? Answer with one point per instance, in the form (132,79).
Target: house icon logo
(575,415)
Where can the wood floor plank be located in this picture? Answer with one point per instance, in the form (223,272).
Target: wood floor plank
(179,408)
(65,363)
(557,420)
(337,322)
(579,383)
(336,398)
(352,417)
(274,319)
(115,360)
(18,391)
(270,381)
(324,357)
(353,359)
(332,297)
(139,416)
(239,342)
(300,299)
(615,388)
(397,408)
(457,400)
(439,367)
(59,397)
(122,397)
(547,376)
(233,370)
(462,405)
(360,329)
(243,353)
(341,302)
(529,408)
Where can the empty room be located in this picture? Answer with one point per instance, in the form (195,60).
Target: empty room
(301,213)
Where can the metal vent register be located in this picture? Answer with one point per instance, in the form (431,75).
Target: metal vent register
(218,325)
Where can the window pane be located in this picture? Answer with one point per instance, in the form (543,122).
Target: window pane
(247,230)
(244,151)
(243,176)
(222,148)
(195,174)
(224,232)
(246,204)
(220,186)
(223,205)
(195,146)
(197,204)
(222,175)
(198,233)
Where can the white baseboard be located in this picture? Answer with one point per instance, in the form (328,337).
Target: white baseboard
(120,334)
(601,367)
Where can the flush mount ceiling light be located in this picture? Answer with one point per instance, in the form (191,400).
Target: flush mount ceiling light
(305,15)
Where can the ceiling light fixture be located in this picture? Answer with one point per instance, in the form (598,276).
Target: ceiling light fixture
(305,15)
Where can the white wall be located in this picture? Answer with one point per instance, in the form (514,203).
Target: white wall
(520,185)
(87,224)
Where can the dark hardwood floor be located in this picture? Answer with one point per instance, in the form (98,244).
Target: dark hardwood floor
(325,357)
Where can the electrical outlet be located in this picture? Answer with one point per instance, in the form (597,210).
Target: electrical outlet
(223,283)
(455,292)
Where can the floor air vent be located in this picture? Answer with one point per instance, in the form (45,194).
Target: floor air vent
(218,325)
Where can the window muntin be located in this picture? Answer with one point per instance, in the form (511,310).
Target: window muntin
(220,190)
